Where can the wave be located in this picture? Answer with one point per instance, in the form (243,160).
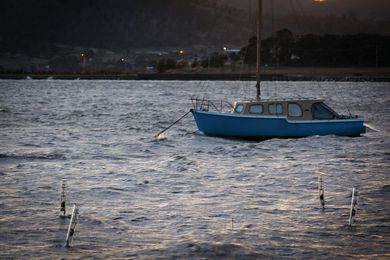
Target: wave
(54,156)
(5,110)
(207,250)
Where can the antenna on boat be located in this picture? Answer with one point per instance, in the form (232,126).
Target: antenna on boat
(258,63)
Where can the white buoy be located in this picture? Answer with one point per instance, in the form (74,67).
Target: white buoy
(321,191)
(63,199)
(72,226)
(352,212)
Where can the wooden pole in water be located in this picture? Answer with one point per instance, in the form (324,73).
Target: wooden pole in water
(352,211)
(321,191)
(63,199)
(72,226)
(258,63)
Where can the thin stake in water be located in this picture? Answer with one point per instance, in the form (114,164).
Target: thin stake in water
(72,226)
(321,191)
(63,199)
(352,212)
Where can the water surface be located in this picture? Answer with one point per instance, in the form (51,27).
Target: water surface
(185,195)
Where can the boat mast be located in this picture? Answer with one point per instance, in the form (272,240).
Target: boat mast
(258,65)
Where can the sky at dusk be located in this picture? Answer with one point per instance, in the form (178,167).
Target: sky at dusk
(364,9)
(31,24)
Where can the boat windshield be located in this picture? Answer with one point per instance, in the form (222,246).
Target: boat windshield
(239,108)
(322,111)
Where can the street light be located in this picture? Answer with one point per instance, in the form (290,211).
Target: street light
(82,61)
(124,64)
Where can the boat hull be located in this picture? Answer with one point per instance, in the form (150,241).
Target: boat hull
(263,127)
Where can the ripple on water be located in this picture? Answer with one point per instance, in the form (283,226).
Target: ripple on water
(183,195)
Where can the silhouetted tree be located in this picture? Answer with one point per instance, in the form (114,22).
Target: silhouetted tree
(165,64)
(215,60)
(324,50)
(249,52)
(195,63)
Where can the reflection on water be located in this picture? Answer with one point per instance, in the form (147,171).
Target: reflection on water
(177,195)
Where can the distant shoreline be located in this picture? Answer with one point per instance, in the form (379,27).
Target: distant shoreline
(269,74)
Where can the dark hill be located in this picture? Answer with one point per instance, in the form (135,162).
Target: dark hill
(116,24)
(33,26)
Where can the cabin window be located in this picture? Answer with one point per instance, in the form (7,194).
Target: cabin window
(256,109)
(239,108)
(322,111)
(275,108)
(294,110)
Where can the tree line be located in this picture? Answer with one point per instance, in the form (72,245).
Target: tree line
(286,49)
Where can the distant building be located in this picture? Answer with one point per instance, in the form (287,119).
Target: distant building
(232,51)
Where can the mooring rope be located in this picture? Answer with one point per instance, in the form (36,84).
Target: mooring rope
(177,121)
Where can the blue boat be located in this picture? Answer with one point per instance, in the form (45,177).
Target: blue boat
(277,118)
(286,118)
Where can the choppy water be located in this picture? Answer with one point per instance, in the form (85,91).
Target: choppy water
(185,195)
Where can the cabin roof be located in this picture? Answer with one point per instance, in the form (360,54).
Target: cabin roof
(282,100)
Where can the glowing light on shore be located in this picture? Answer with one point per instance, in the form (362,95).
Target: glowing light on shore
(319,1)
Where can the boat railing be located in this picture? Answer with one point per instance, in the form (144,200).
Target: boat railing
(203,104)
(346,116)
